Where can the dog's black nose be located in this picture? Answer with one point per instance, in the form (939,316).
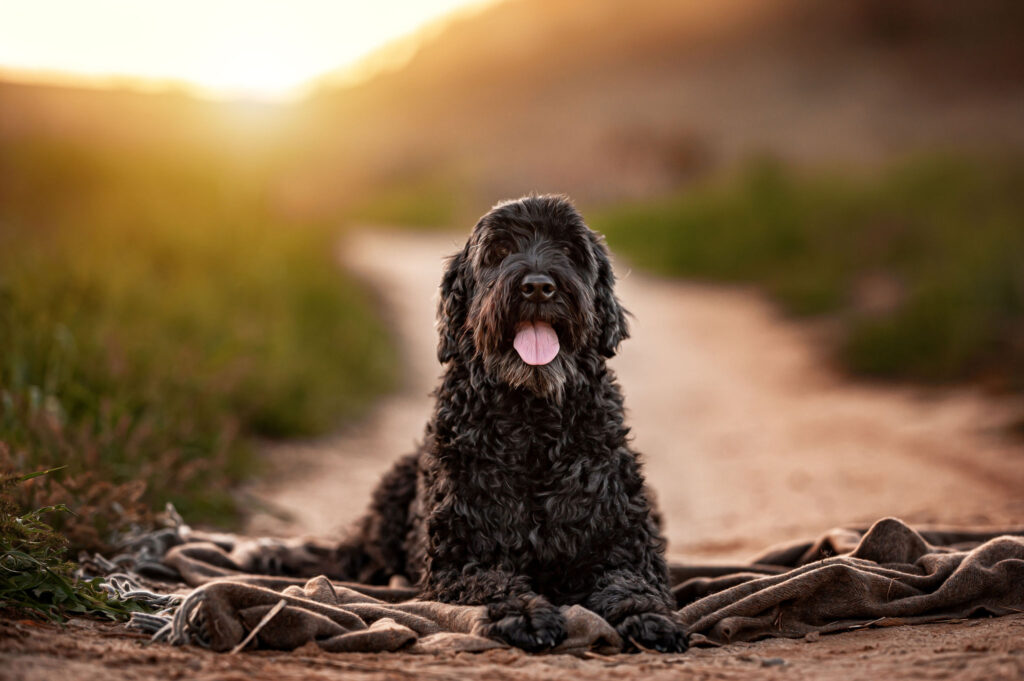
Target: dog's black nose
(537,287)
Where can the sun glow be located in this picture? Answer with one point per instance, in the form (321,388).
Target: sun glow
(224,48)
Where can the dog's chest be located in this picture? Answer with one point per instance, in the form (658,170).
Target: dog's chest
(566,490)
(535,486)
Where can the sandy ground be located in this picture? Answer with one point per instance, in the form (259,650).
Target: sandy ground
(748,437)
(988,650)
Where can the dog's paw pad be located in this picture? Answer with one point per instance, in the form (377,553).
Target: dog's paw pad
(652,631)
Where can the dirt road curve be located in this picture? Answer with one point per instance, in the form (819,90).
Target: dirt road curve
(749,439)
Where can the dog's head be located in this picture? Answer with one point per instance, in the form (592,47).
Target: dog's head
(531,295)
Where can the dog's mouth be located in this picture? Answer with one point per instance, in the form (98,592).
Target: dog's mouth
(536,342)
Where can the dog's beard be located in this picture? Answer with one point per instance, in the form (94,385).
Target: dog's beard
(497,318)
(547,380)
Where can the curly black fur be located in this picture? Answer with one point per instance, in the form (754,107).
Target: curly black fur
(525,495)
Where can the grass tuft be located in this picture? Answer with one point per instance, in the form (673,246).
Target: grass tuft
(35,577)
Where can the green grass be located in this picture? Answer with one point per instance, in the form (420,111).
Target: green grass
(156,315)
(944,236)
(35,577)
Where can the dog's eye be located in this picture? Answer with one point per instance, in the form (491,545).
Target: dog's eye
(497,254)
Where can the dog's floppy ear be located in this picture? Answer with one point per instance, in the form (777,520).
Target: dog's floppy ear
(453,308)
(611,316)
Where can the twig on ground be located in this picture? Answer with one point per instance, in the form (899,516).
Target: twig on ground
(262,623)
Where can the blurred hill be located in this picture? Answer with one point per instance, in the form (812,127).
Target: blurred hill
(126,119)
(601,99)
(604,99)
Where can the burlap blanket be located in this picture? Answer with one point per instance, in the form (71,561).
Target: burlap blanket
(848,578)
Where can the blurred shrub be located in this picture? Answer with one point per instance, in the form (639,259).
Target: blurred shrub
(155,314)
(922,265)
(417,201)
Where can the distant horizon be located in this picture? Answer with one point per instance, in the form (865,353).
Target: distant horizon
(141,85)
(232,64)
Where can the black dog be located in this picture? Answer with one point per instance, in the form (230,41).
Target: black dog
(525,495)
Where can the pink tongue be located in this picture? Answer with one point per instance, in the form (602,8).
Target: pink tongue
(536,342)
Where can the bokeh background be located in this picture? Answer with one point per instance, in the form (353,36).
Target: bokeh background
(170,293)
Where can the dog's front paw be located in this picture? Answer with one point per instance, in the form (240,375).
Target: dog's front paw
(652,631)
(531,624)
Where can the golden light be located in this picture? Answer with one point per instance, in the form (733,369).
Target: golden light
(223,48)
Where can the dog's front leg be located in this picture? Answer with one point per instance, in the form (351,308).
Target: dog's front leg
(515,613)
(641,610)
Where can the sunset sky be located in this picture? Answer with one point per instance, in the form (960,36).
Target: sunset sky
(266,49)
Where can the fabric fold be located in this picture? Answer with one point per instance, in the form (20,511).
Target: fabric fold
(846,578)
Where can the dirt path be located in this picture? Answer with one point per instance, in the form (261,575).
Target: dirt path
(749,439)
(338,473)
